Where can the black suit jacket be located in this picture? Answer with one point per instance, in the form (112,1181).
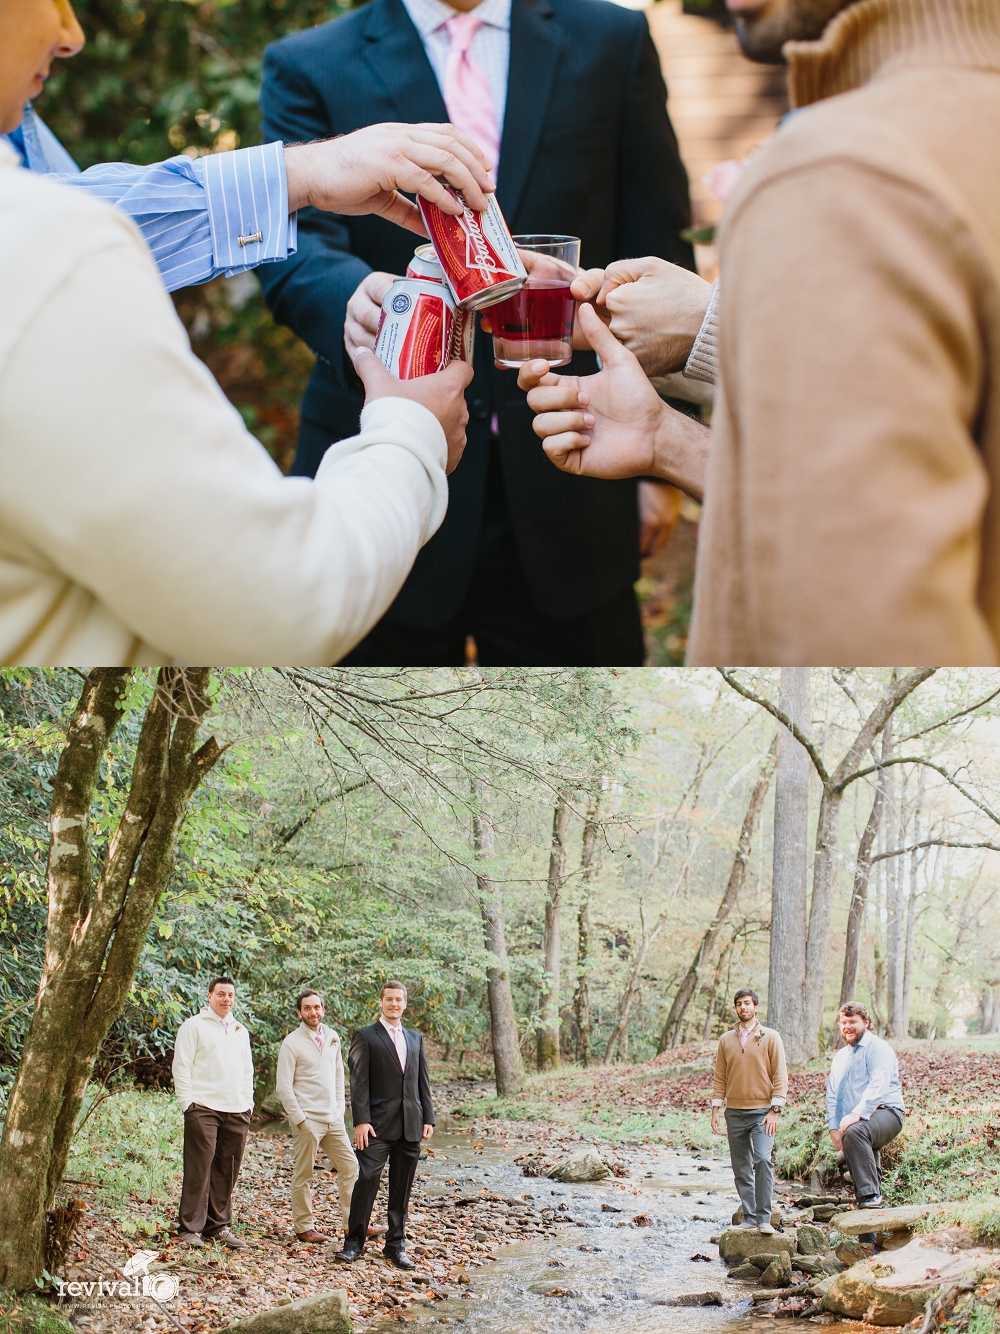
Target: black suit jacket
(396,1104)
(587,150)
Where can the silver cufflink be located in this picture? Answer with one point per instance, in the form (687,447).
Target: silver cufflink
(248,240)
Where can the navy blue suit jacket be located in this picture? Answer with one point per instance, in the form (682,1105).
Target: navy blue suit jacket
(587,150)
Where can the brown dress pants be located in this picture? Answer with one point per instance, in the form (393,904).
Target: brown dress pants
(213,1151)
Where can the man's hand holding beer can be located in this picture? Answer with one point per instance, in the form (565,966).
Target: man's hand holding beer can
(613,424)
(442,393)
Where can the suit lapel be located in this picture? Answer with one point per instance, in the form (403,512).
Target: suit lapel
(396,57)
(380,1029)
(535,44)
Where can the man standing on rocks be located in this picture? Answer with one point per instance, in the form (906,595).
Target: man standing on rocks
(311,1089)
(751,1083)
(213,1080)
(393,1112)
(864,1101)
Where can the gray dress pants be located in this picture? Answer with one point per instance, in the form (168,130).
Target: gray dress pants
(862,1142)
(750,1152)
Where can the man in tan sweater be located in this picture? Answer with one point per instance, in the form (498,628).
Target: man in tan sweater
(852,505)
(311,1089)
(751,1083)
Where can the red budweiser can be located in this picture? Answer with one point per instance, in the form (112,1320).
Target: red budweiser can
(415,330)
(463,335)
(479,259)
(426,265)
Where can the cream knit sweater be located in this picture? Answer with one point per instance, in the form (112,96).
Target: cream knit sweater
(852,509)
(212,1064)
(310,1081)
(139,521)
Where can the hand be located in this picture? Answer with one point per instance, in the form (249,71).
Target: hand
(586,287)
(846,1121)
(363,312)
(442,393)
(655,309)
(770,1124)
(428,1132)
(659,510)
(627,431)
(717,1121)
(363,172)
(838,1140)
(362,1133)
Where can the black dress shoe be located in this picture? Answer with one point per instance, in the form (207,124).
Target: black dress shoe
(348,1255)
(873,1202)
(400,1259)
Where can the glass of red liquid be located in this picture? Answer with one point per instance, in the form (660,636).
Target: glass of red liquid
(537,321)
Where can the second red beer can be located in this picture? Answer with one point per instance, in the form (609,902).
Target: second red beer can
(463,335)
(416,328)
(426,265)
(479,259)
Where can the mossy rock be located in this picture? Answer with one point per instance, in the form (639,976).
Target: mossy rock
(30,1315)
(736,1245)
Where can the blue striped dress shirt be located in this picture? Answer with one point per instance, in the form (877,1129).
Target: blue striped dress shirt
(862,1078)
(201,217)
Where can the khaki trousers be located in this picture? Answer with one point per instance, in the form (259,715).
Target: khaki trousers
(332,1138)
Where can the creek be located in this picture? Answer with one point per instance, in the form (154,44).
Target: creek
(606,1274)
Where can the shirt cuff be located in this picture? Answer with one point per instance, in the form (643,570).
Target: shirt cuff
(703,363)
(718,1102)
(246,193)
(778,1102)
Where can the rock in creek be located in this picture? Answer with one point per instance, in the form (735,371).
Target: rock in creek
(892,1289)
(583,1166)
(857,1221)
(851,1252)
(323,1313)
(812,1240)
(691,1299)
(778,1273)
(745,1270)
(736,1245)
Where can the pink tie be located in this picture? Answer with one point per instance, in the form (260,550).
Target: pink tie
(467,90)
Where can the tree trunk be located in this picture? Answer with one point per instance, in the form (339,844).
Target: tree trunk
(548,1031)
(507,1063)
(893,910)
(859,897)
(820,906)
(95,932)
(786,973)
(581,1001)
(672,1028)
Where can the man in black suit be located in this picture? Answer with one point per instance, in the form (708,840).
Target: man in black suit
(392,1110)
(536,564)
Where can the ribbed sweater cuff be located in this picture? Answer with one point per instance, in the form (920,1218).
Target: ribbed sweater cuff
(703,362)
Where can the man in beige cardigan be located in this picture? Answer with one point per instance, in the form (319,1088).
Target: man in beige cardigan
(311,1090)
(852,505)
(751,1083)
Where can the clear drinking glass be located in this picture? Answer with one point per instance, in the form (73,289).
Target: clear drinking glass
(537,321)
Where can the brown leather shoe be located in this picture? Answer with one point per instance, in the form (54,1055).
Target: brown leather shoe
(376,1229)
(313,1235)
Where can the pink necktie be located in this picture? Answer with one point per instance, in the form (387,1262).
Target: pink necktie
(467,90)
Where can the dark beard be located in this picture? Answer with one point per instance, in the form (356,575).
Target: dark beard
(802,21)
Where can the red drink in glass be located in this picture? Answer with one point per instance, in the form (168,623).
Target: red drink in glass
(535,322)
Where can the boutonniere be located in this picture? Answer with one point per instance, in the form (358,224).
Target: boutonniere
(758,1036)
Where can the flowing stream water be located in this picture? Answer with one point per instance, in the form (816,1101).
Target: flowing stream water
(614,1275)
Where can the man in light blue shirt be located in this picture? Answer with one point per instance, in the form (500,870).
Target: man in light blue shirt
(225,213)
(864,1101)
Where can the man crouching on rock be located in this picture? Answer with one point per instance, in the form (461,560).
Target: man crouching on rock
(864,1101)
(751,1082)
(393,1112)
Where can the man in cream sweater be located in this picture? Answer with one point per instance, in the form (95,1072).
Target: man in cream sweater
(213,1080)
(751,1082)
(311,1089)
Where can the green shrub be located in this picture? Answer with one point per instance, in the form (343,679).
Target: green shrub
(130,1145)
(30,1315)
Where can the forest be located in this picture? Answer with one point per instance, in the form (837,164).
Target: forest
(568,868)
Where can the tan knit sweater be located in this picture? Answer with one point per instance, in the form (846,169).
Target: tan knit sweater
(852,504)
(750,1076)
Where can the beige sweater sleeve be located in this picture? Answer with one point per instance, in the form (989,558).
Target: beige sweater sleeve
(285,1085)
(719,1083)
(779,1071)
(845,491)
(127,471)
